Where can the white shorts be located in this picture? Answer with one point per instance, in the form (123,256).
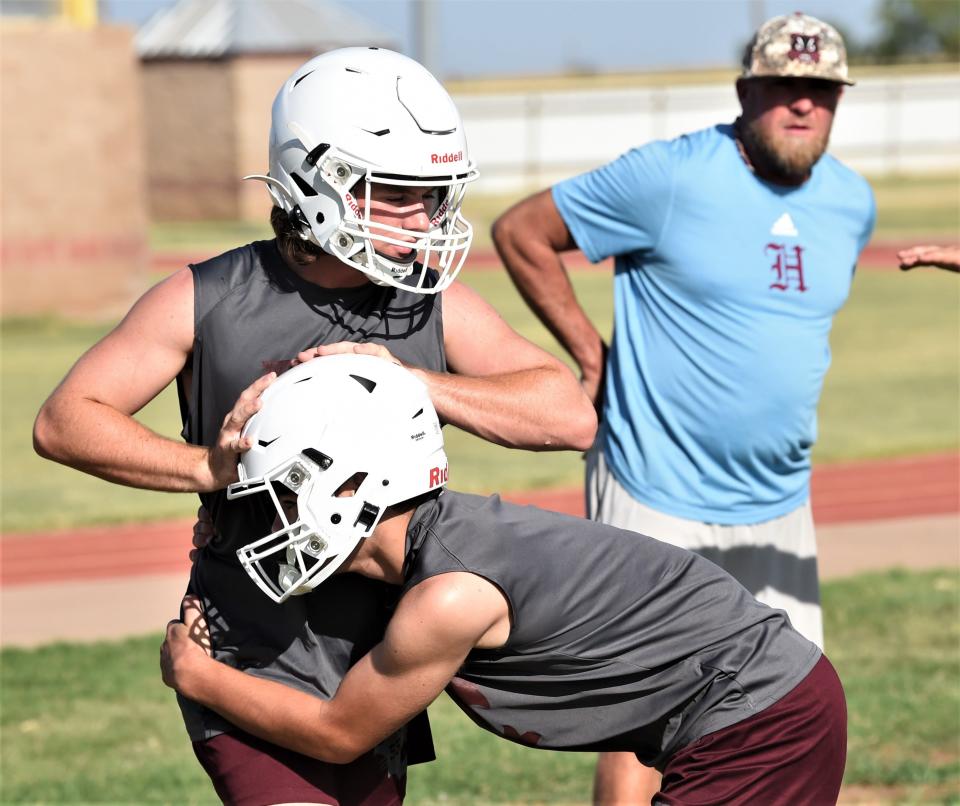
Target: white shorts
(775,560)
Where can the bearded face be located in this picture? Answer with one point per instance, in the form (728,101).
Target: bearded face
(785,125)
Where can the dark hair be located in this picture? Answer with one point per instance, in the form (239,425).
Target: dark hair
(293,248)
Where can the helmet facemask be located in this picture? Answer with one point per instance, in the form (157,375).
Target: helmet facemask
(442,247)
(301,553)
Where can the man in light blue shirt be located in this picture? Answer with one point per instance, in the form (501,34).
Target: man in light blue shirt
(734,247)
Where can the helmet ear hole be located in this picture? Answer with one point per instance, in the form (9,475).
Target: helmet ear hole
(350,486)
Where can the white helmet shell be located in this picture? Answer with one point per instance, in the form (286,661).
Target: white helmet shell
(371,116)
(323,423)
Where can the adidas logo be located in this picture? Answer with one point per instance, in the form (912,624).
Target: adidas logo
(784,226)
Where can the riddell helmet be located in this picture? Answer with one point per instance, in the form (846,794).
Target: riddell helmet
(323,423)
(371,116)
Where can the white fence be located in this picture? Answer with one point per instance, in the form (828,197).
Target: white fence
(528,140)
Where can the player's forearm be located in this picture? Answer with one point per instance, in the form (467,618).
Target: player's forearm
(271,711)
(542,408)
(539,275)
(104,442)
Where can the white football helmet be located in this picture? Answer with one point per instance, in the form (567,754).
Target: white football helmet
(322,423)
(372,116)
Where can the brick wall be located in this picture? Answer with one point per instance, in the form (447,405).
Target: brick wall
(256,80)
(208,122)
(191,139)
(72,219)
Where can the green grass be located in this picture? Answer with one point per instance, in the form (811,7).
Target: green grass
(35,354)
(893,390)
(93,723)
(211,237)
(894,387)
(911,207)
(901,672)
(908,206)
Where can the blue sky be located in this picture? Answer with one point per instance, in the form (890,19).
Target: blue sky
(476,38)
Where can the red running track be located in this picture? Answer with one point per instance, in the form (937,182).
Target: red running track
(857,491)
(881,256)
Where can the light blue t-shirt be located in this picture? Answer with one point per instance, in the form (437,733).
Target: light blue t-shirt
(725,290)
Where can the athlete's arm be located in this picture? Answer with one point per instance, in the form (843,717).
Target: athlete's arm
(435,626)
(87,422)
(505,388)
(501,387)
(529,238)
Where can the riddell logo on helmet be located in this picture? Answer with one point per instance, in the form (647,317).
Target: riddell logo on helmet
(437,159)
(352,204)
(441,212)
(438,476)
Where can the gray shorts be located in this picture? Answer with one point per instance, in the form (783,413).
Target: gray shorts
(775,560)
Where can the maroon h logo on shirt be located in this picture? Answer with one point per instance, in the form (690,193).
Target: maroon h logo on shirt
(787,266)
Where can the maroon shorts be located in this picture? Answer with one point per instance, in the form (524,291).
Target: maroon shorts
(248,771)
(790,753)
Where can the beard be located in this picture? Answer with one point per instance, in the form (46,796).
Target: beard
(785,158)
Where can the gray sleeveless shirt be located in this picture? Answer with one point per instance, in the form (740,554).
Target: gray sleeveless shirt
(251,309)
(617,642)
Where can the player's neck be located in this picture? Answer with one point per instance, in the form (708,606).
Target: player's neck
(327,271)
(380,556)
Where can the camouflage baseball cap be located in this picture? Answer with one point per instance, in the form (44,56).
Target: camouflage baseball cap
(796,46)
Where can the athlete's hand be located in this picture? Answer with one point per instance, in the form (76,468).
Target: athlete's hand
(186,647)
(340,347)
(181,659)
(203,533)
(195,620)
(279,365)
(222,457)
(942,257)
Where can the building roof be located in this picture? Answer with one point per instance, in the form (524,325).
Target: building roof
(209,29)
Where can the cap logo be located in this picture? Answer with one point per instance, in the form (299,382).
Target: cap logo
(804,48)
